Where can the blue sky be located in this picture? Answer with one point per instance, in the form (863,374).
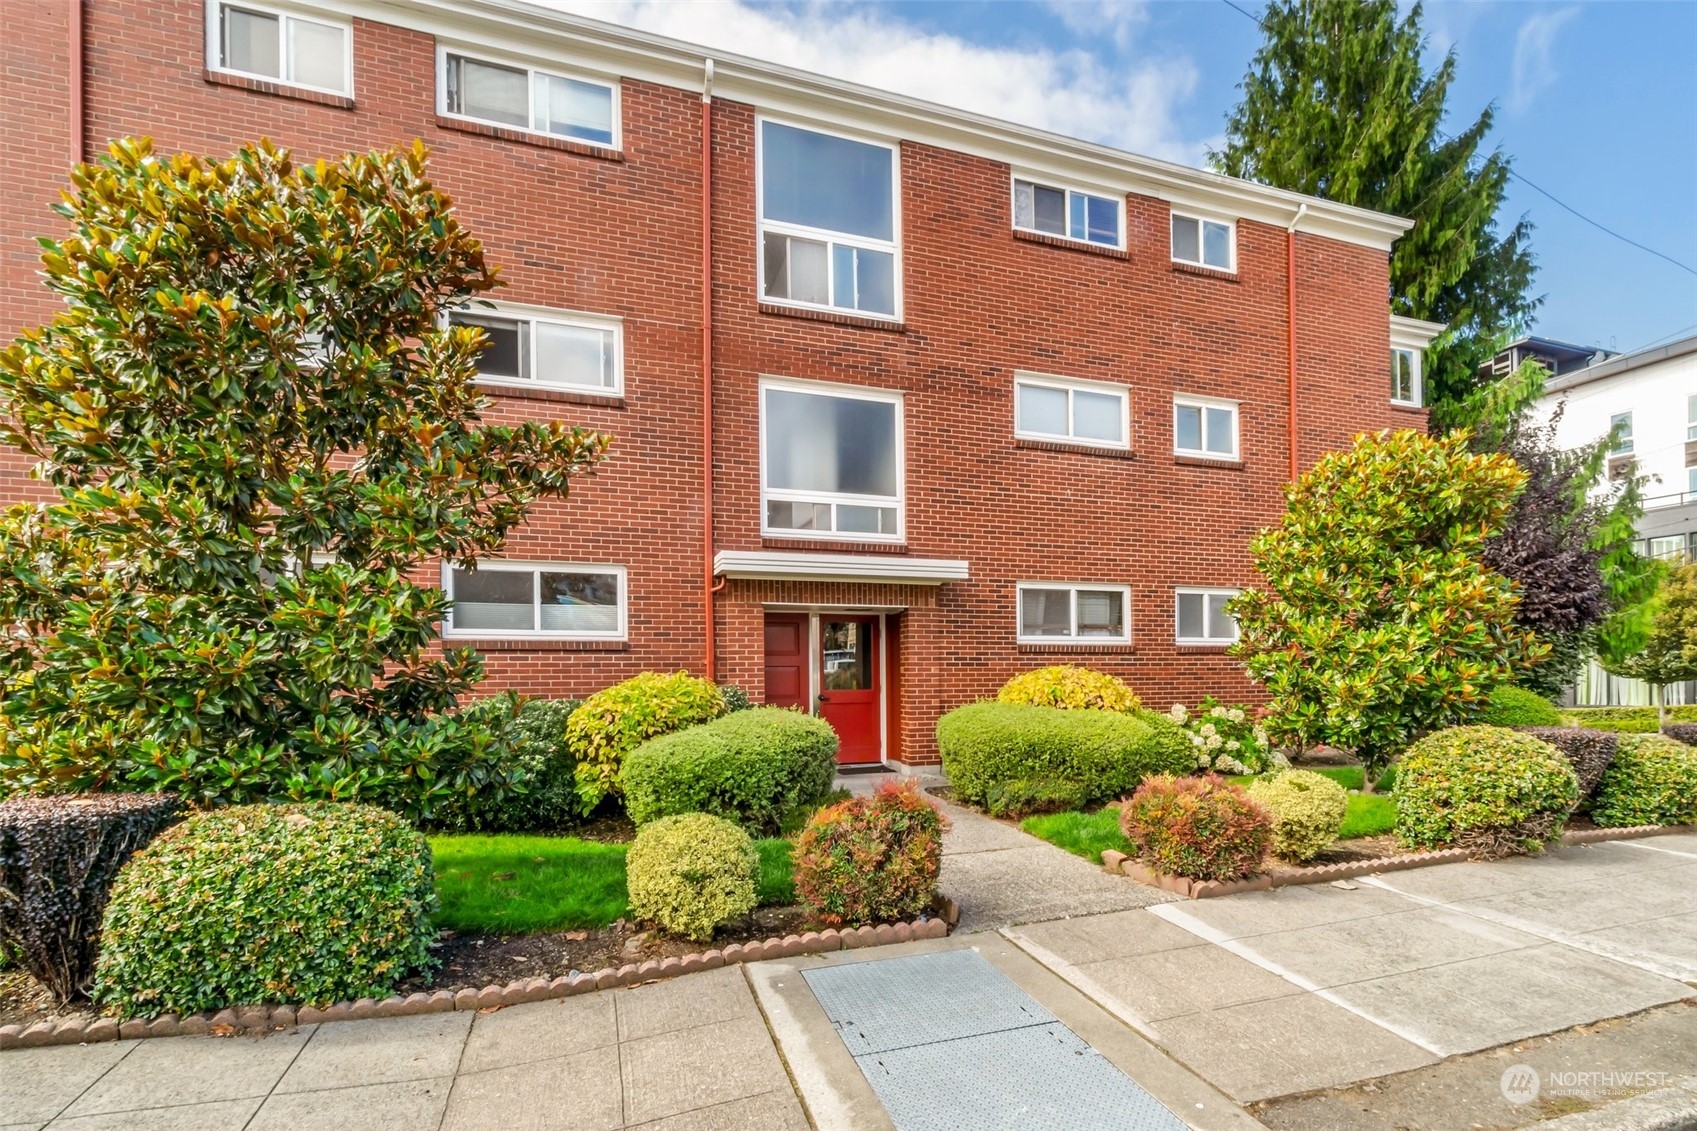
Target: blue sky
(1597,103)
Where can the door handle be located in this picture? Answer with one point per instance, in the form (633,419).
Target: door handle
(824,698)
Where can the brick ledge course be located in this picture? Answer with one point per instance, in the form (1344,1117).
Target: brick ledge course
(1120,863)
(274,1018)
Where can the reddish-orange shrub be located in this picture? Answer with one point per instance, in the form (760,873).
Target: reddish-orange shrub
(1201,827)
(871,859)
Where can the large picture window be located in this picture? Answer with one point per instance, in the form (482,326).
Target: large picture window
(507,94)
(560,351)
(828,221)
(560,602)
(831,462)
(270,43)
(1050,613)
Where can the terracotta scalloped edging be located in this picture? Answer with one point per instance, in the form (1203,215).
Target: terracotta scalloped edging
(272,1018)
(1113,861)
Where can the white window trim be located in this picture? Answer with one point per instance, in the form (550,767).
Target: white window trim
(1203,218)
(478,55)
(1691,417)
(1072,587)
(824,235)
(1418,369)
(215,45)
(536,569)
(860,392)
(1629,440)
(1204,593)
(1117,198)
(1205,403)
(535,314)
(1069,385)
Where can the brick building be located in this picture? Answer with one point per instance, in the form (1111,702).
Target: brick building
(978,398)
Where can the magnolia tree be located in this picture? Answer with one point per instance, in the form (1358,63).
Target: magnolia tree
(259,431)
(1669,653)
(1379,620)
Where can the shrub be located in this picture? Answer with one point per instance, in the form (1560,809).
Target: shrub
(264,903)
(1589,752)
(1652,781)
(736,699)
(58,858)
(1512,706)
(871,859)
(691,874)
(531,737)
(1492,791)
(1626,720)
(1069,687)
(1004,757)
(1202,827)
(1681,732)
(752,767)
(1224,738)
(1308,810)
(611,723)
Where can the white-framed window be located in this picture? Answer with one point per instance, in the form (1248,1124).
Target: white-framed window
(530,599)
(1620,424)
(1055,612)
(525,98)
(1200,617)
(829,213)
(1204,242)
(1205,426)
(1072,410)
(263,42)
(1691,480)
(1069,213)
(1691,418)
(831,462)
(1405,378)
(580,352)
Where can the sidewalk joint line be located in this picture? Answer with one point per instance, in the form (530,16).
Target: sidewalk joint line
(93,1082)
(1093,990)
(272,1090)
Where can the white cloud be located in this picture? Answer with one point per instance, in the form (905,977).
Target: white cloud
(1127,104)
(1533,68)
(1094,19)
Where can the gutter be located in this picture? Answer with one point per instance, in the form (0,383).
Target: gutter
(75,109)
(1290,333)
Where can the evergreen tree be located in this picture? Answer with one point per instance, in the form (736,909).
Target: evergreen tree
(1339,104)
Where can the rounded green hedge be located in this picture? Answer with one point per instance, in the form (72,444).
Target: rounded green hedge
(752,767)
(532,739)
(1308,810)
(1512,706)
(613,722)
(1013,759)
(1489,790)
(691,874)
(305,903)
(1652,781)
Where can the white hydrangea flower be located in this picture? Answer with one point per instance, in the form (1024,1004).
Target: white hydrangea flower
(1196,739)
(1202,761)
(1261,735)
(1214,742)
(1178,713)
(1234,744)
(1232,766)
(1218,712)
(1278,759)
(1235,714)
(1208,730)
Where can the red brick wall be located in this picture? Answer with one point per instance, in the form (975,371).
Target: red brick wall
(622,237)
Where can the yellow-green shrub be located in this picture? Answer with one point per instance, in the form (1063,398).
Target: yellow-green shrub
(1308,810)
(1063,685)
(611,723)
(1652,781)
(691,874)
(1490,790)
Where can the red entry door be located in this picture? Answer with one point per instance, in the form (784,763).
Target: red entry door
(850,685)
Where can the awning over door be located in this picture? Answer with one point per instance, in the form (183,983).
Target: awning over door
(890,569)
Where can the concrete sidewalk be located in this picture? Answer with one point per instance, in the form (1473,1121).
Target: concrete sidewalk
(1273,993)
(691,1054)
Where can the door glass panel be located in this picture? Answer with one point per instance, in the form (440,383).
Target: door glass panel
(847,660)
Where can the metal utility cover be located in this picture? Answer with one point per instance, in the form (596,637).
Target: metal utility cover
(948,1042)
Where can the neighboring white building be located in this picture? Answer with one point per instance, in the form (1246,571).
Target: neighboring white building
(1652,393)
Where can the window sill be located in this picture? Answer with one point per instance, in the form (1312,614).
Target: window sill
(837,317)
(1120,647)
(1075,448)
(1184,648)
(1070,245)
(526,137)
(516,644)
(768,542)
(1399,406)
(1206,272)
(279,89)
(545,393)
(1206,461)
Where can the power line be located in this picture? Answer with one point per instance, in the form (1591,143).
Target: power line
(1536,188)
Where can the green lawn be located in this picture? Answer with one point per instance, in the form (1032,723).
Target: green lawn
(1090,834)
(514,884)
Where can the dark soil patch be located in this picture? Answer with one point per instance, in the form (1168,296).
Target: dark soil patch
(1361,848)
(23,1001)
